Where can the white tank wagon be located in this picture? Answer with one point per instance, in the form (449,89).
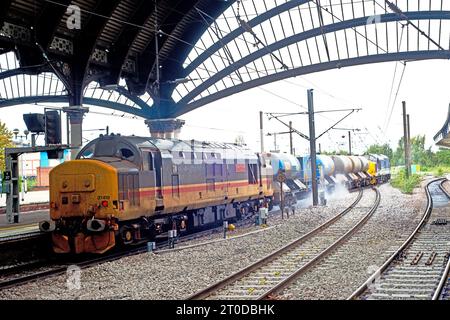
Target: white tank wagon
(290,167)
(357,165)
(364,163)
(327,163)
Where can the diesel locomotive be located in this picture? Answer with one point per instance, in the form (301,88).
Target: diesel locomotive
(127,189)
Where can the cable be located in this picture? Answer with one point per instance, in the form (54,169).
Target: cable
(395,99)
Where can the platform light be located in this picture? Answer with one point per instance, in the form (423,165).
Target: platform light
(16,132)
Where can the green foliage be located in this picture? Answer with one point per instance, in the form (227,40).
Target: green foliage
(381,149)
(335,153)
(5,142)
(31,183)
(399,181)
(438,163)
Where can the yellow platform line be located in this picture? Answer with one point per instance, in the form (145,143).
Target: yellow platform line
(22,226)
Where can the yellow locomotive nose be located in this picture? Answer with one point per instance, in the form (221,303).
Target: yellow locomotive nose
(80,193)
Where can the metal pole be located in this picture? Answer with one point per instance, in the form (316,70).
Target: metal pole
(9,188)
(312,147)
(291,146)
(405,138)
(275,142)
(409,144)
(158,91)
(349,144)
(33,140)
(67,129)
(261,130)
(22,179)
(281,200)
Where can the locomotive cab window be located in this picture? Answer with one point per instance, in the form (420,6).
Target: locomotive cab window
(87,153)
(125,153)
(252,173)
(150,165)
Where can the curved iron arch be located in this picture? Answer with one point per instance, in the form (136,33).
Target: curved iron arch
(336,64)
(389,17)
(65,99)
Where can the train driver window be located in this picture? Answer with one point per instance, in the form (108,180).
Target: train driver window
(125,153)
(88,153)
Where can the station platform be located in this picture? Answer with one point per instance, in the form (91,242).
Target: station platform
(29,197)
(28,223)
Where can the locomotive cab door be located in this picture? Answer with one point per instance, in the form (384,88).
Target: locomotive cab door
(158,173)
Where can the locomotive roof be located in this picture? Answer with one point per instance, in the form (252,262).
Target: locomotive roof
(168,146)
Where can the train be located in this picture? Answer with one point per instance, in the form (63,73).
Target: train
(128,189)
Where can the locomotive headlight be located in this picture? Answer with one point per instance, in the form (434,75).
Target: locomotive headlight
(47,226)
(96,225)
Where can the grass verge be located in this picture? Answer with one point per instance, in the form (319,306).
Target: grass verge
(405,185)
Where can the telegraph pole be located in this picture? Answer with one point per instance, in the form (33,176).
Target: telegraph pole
(405,138)
(409,144)
(261,130)
(349,143)
(290,138)
(312,148)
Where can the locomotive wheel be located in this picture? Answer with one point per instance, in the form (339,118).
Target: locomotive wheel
(127,235)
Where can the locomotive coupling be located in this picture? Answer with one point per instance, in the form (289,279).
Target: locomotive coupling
(47,226)
(96,225)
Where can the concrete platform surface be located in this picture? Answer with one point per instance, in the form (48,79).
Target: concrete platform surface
(28,222)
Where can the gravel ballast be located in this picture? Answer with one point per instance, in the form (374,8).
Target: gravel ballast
(179,274)
(364,252)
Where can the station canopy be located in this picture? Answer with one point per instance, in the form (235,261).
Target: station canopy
(79,46)
(160,59)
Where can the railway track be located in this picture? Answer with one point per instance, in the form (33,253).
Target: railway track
(42,269)
(268,276)
(419,268)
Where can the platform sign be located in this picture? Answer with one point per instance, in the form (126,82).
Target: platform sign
(7,176)
(281,177)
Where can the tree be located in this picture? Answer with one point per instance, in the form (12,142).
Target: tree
(335,153)
(5,142)
(443,157)
(381,149)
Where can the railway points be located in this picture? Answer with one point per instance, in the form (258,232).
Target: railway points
(414,271)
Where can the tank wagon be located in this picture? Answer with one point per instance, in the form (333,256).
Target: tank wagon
(325,169)
(129,189)
(350,171)
(293,188)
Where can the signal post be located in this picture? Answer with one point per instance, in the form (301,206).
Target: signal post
(75,115)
